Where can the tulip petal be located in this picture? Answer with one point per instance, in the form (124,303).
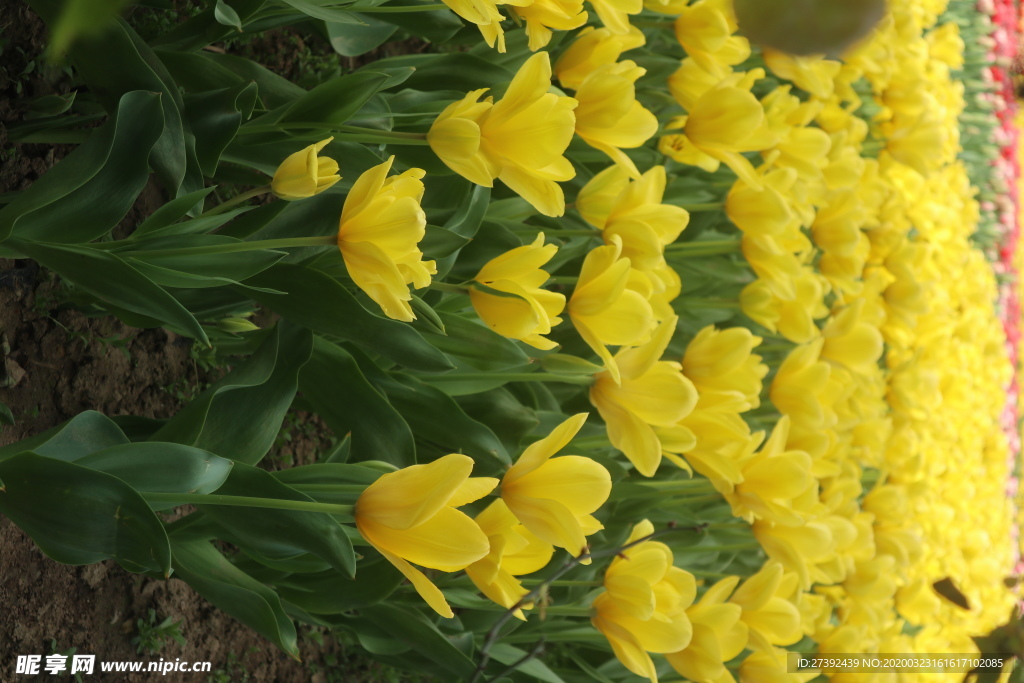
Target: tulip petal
(448,541)
(410,496)
(537,453)
(426,589)
(580,484)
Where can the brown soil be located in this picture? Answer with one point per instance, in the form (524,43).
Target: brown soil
(62,363)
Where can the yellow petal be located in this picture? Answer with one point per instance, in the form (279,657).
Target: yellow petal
(449,540)
(537,453)
(426,589)
(410,496)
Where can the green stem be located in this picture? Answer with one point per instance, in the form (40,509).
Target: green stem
(344,133)
(703,248)
(589,636)
(568,610)
(706,206)
(283,243)
(446,287)
(752,545)
(246,501)
(235,201)
(584,380)
(330,488)
(574,233)
(562,582)
(677,484)
(398,8)
(694,302)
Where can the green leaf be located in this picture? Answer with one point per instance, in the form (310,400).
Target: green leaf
(413,630)
(210,574)
(156,467)
(117,61)
(6,416)
(317,11)
(335,101)
(453,71)
(203,71)
(225,14)
(564,364)
(80,19)
(204,29)
(321,303)
(240,416)
(329,593)
(50,105)
(436,417)
(352,40)
(476,345)
(83,434)
(337,390)
(435,27)
(88,193)
(79,516)
(172,211)
(509,655)
(215,117)
(111,279)
(440,242)
(280,534)
(238,265)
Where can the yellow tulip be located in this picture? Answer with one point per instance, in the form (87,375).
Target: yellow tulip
(649,393)
(723,362)
(543,15)
(635,213)
(609,306)
(487,17)
(514,551)
(771,618)
(304,174)
(609,117)
(764,212)
(797,548)
(614,14)
(532,311)
(592,49)
(725,122)
(718,635)
(380,227)
(812,74)
(519,140)
(554,497)
(769,666)
(705,30)
(409,516)
(643,607)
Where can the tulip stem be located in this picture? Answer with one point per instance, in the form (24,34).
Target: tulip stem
(399,8)
(235,201)
(283,243)
(561,582)
(331,488)
(703,248)
(709,303)
(676,484)
(704,206)
(343,133)
(750,545)
(447,287)
(246,501)
(584,380)
(568,610)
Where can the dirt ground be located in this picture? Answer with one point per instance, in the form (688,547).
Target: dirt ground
(61,363)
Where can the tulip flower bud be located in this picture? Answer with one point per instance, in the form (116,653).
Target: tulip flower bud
(304,174)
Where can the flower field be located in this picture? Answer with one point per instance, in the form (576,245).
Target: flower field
(661,340)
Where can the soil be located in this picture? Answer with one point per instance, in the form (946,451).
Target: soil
(61,362)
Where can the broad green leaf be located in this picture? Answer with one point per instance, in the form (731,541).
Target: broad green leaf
(322,304)
(239,265)
(509,419)
(509,655)
(475,345)
(337,390)
(226,15)
(456,70)
(88,193)
(111,279)
(116,61)
(441,242)
(240,416)
(170,212)
(436,27)
(280,534)
(333,102)
(81,19)
(329,593)
(326,13)
(83,434)
(435,417)
(50,105)
(352,40)
(156,467)
(214,117)
(196,226)
(209,573)
(79,516)
(203,71)
(413,630)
